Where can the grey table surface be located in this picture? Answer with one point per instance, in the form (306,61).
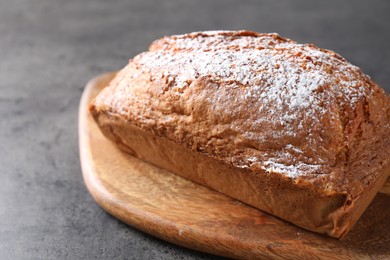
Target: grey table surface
(48,51)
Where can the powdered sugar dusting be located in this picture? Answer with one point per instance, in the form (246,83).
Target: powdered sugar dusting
(291,171)
(271,73)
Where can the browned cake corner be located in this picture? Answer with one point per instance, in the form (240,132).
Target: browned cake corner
(289,128)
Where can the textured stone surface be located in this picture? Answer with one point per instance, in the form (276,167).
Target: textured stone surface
(48,51)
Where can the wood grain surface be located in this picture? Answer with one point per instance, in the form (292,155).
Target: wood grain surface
(169,207)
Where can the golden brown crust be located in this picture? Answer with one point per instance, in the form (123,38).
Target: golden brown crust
(261,105)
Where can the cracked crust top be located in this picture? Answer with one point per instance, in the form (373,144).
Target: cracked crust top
(259,101)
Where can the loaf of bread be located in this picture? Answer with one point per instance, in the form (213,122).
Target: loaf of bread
(291,129)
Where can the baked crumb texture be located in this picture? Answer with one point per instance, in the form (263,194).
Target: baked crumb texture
(265,107)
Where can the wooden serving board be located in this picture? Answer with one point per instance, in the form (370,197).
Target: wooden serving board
(169,207)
